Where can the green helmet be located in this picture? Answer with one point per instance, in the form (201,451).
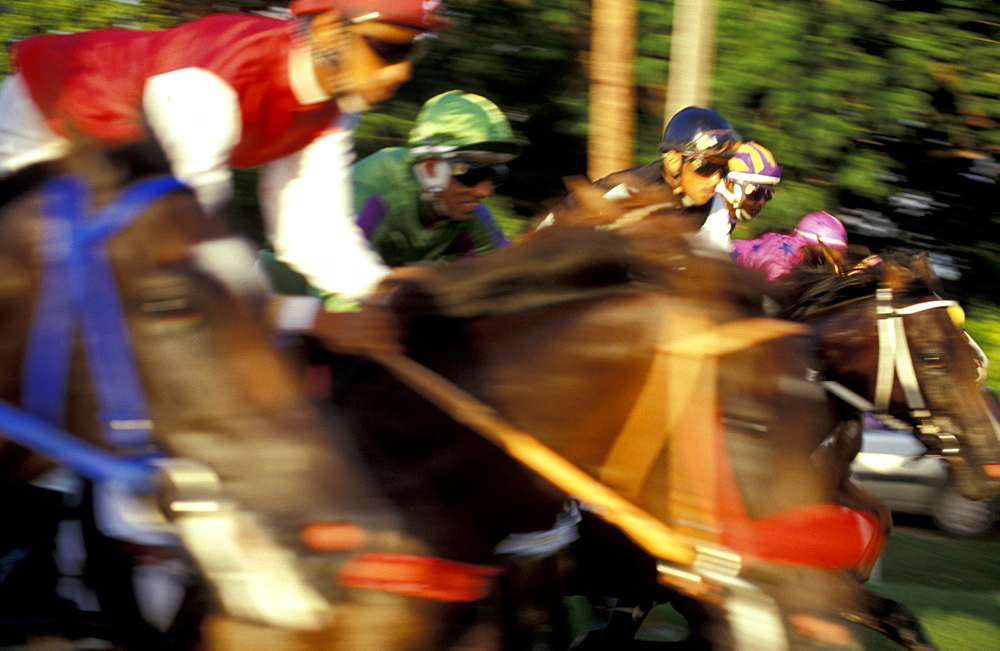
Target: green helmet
(456,124)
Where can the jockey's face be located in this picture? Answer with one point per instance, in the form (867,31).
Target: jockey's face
(691,177)
(460,200)
(372,57)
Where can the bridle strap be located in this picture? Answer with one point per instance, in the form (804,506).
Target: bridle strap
(887,347)
(88,460)
(894,362)
(79,291)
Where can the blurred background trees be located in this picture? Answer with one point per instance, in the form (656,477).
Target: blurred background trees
(884,112)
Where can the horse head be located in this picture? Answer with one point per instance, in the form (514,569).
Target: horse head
(128,359)
(891,345)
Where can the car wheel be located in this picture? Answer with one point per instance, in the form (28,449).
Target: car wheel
(959,516)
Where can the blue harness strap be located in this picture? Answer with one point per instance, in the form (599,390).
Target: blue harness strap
(88,460)
(78,290)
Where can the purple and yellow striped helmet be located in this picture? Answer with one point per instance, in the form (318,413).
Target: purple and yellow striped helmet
(750,181)
(753,163)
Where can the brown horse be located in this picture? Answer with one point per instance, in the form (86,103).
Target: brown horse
(652,371)
(889,344)
(174,391)
(565,336)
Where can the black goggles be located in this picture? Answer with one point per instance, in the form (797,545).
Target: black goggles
(708,166)
(393,52)
(760,193)
(470,177)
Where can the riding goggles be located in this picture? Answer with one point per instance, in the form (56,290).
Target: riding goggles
(470,176)
(709,166)
(754,191)
(393,52)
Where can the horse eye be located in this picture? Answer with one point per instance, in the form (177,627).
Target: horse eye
(934,361)
(168,307)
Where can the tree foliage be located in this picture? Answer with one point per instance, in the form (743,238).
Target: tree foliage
(21,18)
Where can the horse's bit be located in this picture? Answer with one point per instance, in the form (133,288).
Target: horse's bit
(895,361)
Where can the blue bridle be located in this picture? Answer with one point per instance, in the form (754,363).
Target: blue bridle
(78,291)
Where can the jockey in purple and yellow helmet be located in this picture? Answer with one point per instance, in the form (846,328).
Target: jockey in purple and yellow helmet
(749,183)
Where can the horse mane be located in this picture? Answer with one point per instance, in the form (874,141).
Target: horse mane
(823,282)
(552,266)
(576,261)
(106,169)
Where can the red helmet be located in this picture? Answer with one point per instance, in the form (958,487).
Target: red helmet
(418,14)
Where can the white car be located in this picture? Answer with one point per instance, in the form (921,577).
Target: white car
(891,468)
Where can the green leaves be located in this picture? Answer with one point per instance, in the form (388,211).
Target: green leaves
(21,18)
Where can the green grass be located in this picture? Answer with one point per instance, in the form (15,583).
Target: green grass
(952,584)
(984,326)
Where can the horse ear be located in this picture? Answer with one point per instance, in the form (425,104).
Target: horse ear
(921,265)
(895,275)
(585,205)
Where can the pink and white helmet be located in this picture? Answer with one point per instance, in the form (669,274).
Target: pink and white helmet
(822,228)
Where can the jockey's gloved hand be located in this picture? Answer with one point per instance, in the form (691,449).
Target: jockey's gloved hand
(369,326)
(343,325)
(350,326)
(338,303)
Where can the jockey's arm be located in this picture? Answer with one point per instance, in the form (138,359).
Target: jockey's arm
(713,236)
(195,116)
(485,232)
(307,207)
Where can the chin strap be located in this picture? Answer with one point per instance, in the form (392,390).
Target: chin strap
(678,190)
(734,198)
(433,174)
(352,103)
